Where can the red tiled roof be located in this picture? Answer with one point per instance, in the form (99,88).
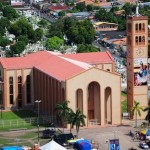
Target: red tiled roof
(91,58)
(27,61)
(59,68)
(57,65)
(53,8)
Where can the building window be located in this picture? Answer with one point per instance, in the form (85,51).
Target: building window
(28,89)
(143,40)
(136,27)
(140,27)
(19,88)
(11,100)
(136,40)
(143,27)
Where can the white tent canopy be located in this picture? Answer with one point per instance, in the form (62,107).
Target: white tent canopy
(52,145)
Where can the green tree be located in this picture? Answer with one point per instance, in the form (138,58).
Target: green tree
(43,23)
(86,48)
(89,8)
(2,31)
(128,7)
(148,113)
(23,38)
(70,118)
(136,110)
(61,13)
(38,34)
(78,120)
(4,22)
(113,9)
(4,41)
(63,111)
(56,29)
(54,43)
(81,6)
(17,48)
(10,13)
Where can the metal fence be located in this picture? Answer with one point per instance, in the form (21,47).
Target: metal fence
(44,120)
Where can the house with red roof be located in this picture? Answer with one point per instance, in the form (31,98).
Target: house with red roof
(87,80)
(58,8)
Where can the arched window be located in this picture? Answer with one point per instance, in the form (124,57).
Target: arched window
(136,27)
(28,89)
(79,99)
(140,39)
(140,27)
(136,40)
(11,91)
(19,91)
(143,39)
(143,27)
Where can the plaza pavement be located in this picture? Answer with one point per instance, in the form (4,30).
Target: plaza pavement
(102,135)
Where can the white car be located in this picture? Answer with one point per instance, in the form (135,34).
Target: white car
(147,137)
(143,145)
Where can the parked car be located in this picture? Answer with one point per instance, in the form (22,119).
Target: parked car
(143,145)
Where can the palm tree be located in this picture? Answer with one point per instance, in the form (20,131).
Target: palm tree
(136,109)
(78,120)
(70,118)
(148,114)
(63,111)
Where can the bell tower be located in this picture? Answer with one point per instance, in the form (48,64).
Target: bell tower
(137,60)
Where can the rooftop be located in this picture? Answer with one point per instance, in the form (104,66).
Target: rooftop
(56,65)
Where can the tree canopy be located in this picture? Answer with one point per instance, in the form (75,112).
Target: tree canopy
(10,12)
(54,43)
(17,48)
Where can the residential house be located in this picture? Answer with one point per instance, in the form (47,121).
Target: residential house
(105,26)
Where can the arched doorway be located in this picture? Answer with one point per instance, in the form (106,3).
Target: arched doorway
(108,106)
(79,99)
(94,102)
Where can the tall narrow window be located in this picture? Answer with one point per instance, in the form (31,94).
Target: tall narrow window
(28,89)
(136,27)
(140,40)
(140,27)
(143,39)
(19,91)
(11,97)
(143,27)
(136,40)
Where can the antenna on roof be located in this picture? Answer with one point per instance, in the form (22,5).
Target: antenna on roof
(137,8)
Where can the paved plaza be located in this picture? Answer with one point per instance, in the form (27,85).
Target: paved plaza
(100,135)
(103,134)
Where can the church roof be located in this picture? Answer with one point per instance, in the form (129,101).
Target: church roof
(61,66)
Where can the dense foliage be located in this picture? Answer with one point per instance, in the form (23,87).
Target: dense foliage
(77,32)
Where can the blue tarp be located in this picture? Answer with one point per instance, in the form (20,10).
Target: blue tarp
(11,148)
(83,145)
(148,132)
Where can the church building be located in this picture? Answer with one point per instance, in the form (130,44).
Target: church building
(87,80)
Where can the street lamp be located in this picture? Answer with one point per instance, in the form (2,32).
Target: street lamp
(38,102)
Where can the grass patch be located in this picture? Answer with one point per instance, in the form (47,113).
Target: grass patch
(18,114)
(124,94)
(124,106)
(28,135)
